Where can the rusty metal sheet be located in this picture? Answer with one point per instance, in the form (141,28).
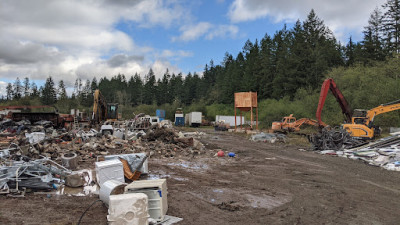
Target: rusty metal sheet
(246,100)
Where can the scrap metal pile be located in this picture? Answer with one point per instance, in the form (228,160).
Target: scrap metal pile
(333,139)
(384,152)
(39,157)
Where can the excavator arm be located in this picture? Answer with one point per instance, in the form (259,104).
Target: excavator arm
(308,121)
(99,108)
(329,84)
(384,108)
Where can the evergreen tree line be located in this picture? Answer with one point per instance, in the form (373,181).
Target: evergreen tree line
(277,66)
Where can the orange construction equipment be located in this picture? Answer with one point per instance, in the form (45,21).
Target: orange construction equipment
(290,124)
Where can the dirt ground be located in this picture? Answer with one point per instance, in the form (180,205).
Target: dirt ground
(265,184)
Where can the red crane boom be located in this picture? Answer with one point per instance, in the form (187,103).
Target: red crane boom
(329,84)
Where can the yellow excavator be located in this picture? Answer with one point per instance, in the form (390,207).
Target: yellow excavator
(362,125)
(103,111)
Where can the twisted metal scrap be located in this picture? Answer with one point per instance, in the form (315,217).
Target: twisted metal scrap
(332,139)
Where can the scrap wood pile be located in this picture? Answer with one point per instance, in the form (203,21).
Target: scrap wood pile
(41,158)
(384,152)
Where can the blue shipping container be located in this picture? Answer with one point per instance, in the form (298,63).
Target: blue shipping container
(160,113)
(179,121)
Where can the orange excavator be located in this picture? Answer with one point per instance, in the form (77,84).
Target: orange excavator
(290,124)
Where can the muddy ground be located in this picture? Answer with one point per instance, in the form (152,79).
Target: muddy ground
(265,184)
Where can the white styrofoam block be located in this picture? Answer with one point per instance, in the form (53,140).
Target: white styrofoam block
(128,209)
(109,170)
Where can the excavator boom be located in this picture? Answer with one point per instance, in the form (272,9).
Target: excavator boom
(329,84)
(384,108)
(99,108)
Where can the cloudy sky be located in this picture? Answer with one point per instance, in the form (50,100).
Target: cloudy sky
(67,39)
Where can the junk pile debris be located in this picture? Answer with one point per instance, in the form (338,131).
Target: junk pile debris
(41,157)
(267,137)
(384,152)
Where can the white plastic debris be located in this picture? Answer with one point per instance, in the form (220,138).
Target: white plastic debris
(35,137)
(128,209)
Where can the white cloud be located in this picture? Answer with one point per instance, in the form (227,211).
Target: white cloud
(78,38)
(206,30)
(340,16)
(155,12)
(175,55)
(223,31)
(193,32)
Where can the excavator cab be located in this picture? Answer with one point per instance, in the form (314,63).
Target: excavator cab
(360,113)
(359,116)
(289,119)
(112,111)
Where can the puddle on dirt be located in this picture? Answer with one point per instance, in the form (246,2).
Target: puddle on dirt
(157,176)
(187,165)
(244,198)
(161,175)
(180,178)
(266,201)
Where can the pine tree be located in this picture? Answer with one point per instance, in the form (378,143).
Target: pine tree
(149,88)
(9,91)
(87,97)
(27,87)
(350,52)
(324,50)
(176,87)
(49,94)
(298,62)
(61,92)
(252,70)
(391,23)
(35,92)
(137,89)
(281,53)
(17,89)
(93,85)
(267,74)
(373,38)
